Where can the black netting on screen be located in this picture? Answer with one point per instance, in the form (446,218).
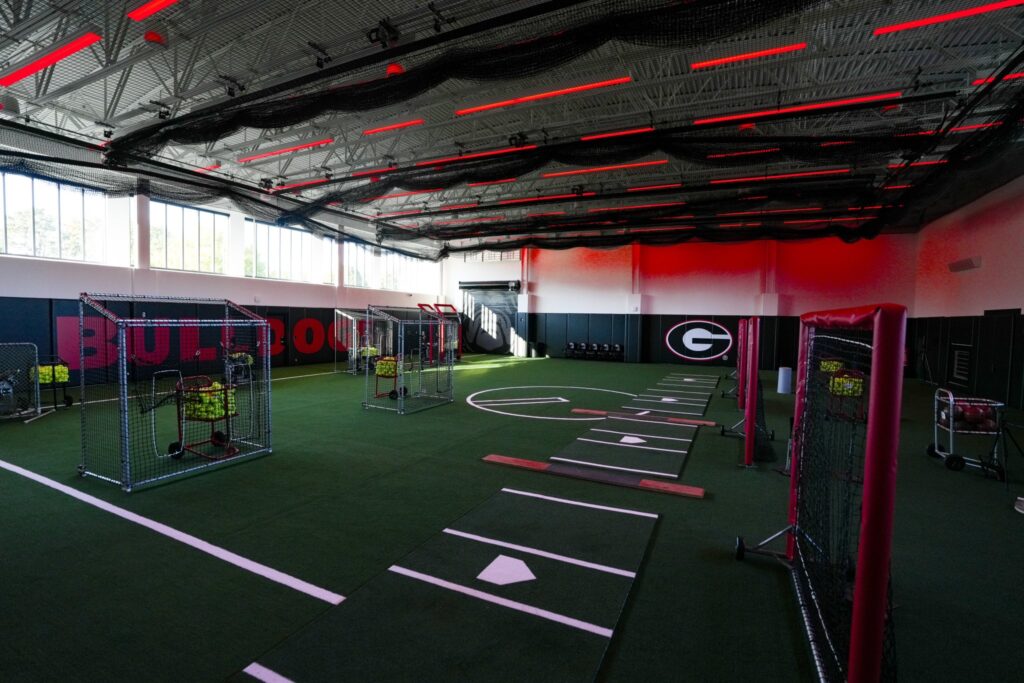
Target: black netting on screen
(170,387)
(762,435)
(523,49)
(830,481)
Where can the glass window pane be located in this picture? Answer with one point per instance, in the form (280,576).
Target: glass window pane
(71,245)
(174,237)
(220,242)
(206,241)
(47,230)
(119,231)
(286,255)
(250,248)
(3,234)
(95,227)
(157,235)
(274,253)
(262,244)
(19,215)
(190,237)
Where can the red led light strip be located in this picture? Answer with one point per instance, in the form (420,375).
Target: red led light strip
(634,207)
(617,134)
(304,183)
(49,59)
(410,193)
(795,109)
(476,155)
(287,150)
(464,221)
(150,8)
(544,95)
(523,200)
(207,169)
(897,187)
(807,221)
(454,207)
(491,182)
(602,169)
(837,143)
(372,171)
(641,188)
(950,16)
(795,47)
(725,155)
(759,213)
(780,176)
(400,213)
(740,225)
(958,129)
(992,79)
(548,213)
(393,126)
(936,162)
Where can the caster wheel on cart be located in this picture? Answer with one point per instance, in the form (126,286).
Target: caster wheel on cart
(955,462)
(405,391)
(722,431)
(931,451)
(997,471)
(393,394)
(740,548)
(174,450)
(218,439)
(68,401)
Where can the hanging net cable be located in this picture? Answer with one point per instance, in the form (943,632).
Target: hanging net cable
(524,48)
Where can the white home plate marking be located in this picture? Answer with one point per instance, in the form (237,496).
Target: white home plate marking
(631,439)
(505,570)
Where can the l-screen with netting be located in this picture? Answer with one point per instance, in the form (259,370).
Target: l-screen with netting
(850,383)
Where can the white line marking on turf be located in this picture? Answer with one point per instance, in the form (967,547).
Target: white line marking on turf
(504,602)
(471,400)
(659,410)
(180,536)
(648,436)
(262,673)
(627,445)
(663,424)
(613,467)
(681,393)
(674,401)
(579,503)
(315,374)
(542,553)
(540,400)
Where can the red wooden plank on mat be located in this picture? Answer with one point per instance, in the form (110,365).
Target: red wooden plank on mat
(517,462)
(669,487)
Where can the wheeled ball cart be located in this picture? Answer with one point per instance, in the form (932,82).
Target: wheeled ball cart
(960,416)
(200,399)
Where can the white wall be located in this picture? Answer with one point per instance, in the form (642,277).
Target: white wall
(992,229)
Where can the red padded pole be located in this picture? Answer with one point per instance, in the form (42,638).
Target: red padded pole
(871,585)
(750,409)
(741,367)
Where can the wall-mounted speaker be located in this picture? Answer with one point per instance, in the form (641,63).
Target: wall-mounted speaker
(965,264)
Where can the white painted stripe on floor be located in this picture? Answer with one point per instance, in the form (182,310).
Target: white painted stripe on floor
(691,385)
(542,553)
(540,400)
(646,436)
(262,673)
(672,400)
(629,445)
(678,388)
(613,467)
(677,391)
(504,602)
(663,424)
(180,536)
(701,378)
(579,503)
(659,410)
(315,374)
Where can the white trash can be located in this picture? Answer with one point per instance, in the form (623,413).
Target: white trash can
(785,385)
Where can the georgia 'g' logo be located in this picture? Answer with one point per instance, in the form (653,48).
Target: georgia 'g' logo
(698,340)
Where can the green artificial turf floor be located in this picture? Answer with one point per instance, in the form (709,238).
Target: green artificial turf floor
(87,596)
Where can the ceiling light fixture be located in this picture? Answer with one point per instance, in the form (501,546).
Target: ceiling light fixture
(47,57)
(992,79)
(544,95)
(949,16)
(475,155)
(780,176)
(148,9)
(798,108)
(393,126)
(634,207)
(523,200)
(795,47)
(602,169)
(666,186)
(617,134)
(726,155)
(303,183)
(287,150)
(491,182)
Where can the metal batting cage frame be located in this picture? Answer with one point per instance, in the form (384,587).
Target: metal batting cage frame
(19,381)
(170,386)
(413,367)
(843,486)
